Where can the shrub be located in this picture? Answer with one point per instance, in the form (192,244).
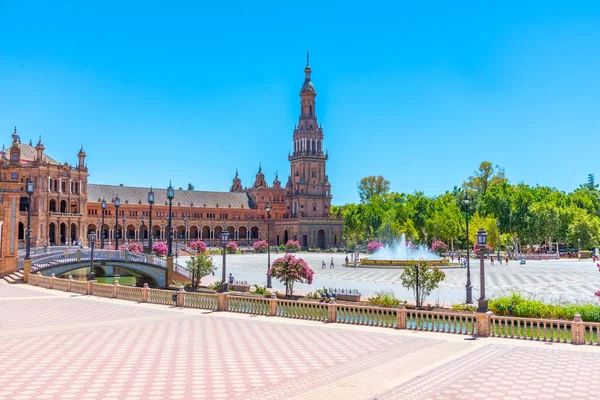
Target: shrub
(373,246)
(214,286)
(422,279)
(135,247)
(439,247)
(159,248)
(261,246)
(488,249)
(464,307)
(384,298)
(199,266)
(198,246)
(290,269)
(231,247)
(292,246)
(261,290)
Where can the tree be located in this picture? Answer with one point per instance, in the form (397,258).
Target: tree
(422,279)
(370,186)
(190,186)
(484,177)
(290,269)
(198,267)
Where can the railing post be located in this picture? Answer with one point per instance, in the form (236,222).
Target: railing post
(169,271)
(145,293)
(37,278)
(273,304)
(180,297)
(89,291)
(26,269)
(401,317)
(126,255)
(115,292)
(222,302)
(51,285)
(577,330)
(483,323)
(69,283)
(332,311)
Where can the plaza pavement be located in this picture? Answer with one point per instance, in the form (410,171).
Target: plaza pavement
(556,280)
(58,345)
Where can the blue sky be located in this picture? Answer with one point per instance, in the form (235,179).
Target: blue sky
(419,92)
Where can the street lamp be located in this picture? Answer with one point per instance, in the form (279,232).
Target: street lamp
(29,188)
(102,230)
(268,210)
(185,231)
(141,238)
(170,196)
(92,243)
(468,286)
(498,225)
(482,303)
(151,202)
(578,244)
(117,205)
(224,241)
(124,230)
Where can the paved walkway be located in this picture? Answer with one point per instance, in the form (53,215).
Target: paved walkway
(64,346)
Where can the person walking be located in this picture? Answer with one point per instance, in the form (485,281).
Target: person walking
(323,264)
(346,260)
(331,266)
(230,279)
(492,260)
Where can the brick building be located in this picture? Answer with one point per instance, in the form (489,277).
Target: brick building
(65,208)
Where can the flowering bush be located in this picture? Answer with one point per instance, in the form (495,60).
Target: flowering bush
(598,294)
(261,246)
(231,247)
(488,249)
(373,246)
(198,246)
(292,245)
(136,247)
(159,248)
(439,247)
(290,269)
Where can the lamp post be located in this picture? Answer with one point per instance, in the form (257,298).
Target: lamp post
(141,234)
(124,230)
(224,241)
(102,230)
(176,242)
(92,243)
(184,231)
(468,286)
(578,244)
(29,188)
(170,196)
(151,202)
(498,225)
(268,210)
(482,303)
(117,205)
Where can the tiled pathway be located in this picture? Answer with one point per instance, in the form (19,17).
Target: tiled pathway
(61,346)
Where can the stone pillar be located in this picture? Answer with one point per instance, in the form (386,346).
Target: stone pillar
(69,283)
(401,318)
(52,277)
(332,311)
(89,288)
(145,293)
(222,302)
(180,297)
(483,323)
(78,255)
(115,292)
(26,270)
(577,330)
(169,271)
(273,304)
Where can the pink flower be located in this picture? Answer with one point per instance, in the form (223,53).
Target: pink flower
(159,248)
(198,246)
(373,246)
(260,246)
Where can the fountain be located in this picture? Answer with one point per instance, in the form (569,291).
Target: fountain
(400,254)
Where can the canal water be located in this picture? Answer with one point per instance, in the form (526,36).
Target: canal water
(125,279)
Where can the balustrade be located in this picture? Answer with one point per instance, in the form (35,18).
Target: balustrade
(204,301)
(531,329)
(371,316)
(249,305)
(158,296)
(434,321)
(302,310)
(130,293)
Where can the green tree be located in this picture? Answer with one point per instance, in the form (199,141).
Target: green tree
(198,267)
(370,186)
(422,280)
(484,177)
(190,186)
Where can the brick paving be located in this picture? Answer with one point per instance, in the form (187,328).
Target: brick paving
(62,346)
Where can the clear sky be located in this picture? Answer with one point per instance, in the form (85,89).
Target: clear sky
(420,92)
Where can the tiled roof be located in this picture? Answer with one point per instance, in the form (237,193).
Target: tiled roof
(28,153)
(187,198)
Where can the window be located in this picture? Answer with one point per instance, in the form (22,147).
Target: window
(14,175)
(14,157)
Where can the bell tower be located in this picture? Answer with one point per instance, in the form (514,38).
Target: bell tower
(310,194)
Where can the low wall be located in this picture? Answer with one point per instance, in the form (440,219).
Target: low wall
(365,262)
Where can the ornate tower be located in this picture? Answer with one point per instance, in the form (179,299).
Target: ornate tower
(236,186)
(309,195)
(39,150)
(260,178)
(81,158)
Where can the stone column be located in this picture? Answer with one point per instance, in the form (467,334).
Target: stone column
(222,302)
(332,311)
(26,270)
(115,292)
(169,271)
(180,297)
(577,330)
(483,323)
(273,304)
(145,293)
(401,318)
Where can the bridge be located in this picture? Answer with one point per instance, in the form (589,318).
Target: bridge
(62,261)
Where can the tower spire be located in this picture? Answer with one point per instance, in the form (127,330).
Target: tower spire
(307,58)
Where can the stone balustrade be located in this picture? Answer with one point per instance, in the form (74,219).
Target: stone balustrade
(474,324)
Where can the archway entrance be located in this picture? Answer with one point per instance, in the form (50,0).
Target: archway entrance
(52,233)
(73,233)
(321,239)
(285,237)
(63,233)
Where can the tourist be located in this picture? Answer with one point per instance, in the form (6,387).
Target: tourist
(346,260)
(500,260)
(506,260)
(331,266)
(459,263)
(352,255)
(452,257)
(492,260)
(323,264)
(230,279)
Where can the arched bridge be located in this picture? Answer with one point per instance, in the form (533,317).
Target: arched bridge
(145,265)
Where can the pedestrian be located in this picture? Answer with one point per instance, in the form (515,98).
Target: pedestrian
(354,263)
(331,266)
(323,264)
(230,279)
(346,260)
(500,260)
(506,260)
(459,263)
(492,260)
(452,257)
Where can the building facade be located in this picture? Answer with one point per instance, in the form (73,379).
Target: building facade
(65,208)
